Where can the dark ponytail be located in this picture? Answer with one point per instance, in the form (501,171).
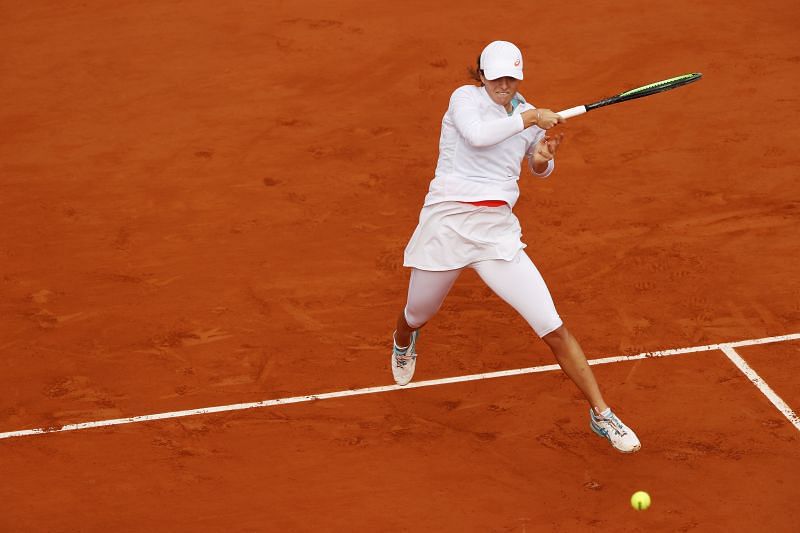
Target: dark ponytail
(476,72)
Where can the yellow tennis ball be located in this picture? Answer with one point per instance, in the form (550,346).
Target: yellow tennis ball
(640,500)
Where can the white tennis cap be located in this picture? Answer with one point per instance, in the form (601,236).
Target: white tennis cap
(501,58)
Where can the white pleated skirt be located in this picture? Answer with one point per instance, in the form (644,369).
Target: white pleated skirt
(452,235)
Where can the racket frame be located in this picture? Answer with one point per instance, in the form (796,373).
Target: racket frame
(632,94)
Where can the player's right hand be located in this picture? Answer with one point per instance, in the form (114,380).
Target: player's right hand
(548,118)
(544,118)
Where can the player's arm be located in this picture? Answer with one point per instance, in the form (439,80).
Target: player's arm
(466,114)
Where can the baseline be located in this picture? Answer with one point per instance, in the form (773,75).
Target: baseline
(386,388)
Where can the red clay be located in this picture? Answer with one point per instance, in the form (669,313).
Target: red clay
(207,203)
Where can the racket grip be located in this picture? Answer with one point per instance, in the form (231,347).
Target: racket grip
(573,111)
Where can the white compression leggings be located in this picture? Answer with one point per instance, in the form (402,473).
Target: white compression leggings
(517,282)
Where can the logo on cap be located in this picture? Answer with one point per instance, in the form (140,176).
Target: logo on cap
(516,63)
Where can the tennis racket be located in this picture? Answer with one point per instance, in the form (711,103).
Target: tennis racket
(639,92)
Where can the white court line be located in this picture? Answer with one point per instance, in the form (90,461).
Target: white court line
(753,376)
(386,388)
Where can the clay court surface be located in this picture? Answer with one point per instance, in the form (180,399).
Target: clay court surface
(206,203)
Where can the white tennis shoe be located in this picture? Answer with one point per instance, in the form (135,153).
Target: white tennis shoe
(404,360)
(610,427)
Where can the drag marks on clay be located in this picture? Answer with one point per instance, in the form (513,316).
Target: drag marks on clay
(314,24)
(299,312)
(80,390)
(122,239)
(703,316)
(710,197)
(188,439)
(145,280)
(291,122)
(178,337)
(36,310)
(698,448)
(41,297)
(774,427)
(733,221)
(562,438)
(389,261)
(344,152)
(204,336)
(419,428)
(291,39)
(244,226)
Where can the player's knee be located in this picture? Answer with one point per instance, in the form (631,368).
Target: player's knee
(558,336)
(415,319)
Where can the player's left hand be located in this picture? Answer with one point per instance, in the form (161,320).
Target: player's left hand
(546,148)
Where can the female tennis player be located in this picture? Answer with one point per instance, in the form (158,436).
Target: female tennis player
(467,222)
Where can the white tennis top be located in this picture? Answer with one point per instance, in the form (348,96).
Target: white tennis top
(481,148)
